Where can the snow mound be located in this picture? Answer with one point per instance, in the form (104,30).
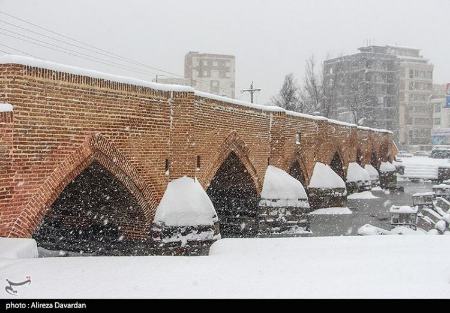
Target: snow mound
(6,107)
(185,203)
(324,177)
(370,230)
(280,186)
(18,248)
(423,194)
(403,209)
(441,226)
(356,173)
(373,173)
(362,195)
(332,211)
(441,186)
(387,167)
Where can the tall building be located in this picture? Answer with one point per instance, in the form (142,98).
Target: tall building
(384,86)
(213,73)
(440,133)
(364,88)
(416,87)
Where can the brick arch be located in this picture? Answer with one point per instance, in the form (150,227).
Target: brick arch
(95,148)
(374,152)
(297,157)
(339,152)
(233,143)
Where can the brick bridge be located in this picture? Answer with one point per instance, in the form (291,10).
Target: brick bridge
(75,134)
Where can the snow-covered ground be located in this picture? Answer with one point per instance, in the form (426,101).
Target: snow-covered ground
(326,267)
(418,167)
(365,195)
(332,211)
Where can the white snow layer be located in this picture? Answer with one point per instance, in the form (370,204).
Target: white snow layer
(280,186)
(18,248)
(403,209)
(332,211)
(357,173)
(441,226)
(185,203)
(370,230)
(322,267)
(373,173)
(6,107)
(325,178)
(418,167)
(387,167)
(362,195)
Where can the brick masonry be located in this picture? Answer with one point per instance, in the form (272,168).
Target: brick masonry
(62,122)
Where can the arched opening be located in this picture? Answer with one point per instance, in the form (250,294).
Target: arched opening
(374,160)
(296,171)
(359,157)
(235,199)
(92,215)
(336,165)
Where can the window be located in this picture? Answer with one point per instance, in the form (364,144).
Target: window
(215,63)
(198,162)
(437,107)
(437,121)
(167,165)
(205,62)
(298,138)
(411,74)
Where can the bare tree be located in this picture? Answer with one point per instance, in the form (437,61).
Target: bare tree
(311,93)
(288,97)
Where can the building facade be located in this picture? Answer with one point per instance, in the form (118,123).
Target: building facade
(440,133)
(364,88)
(212,73)
(384,86)
(416,87)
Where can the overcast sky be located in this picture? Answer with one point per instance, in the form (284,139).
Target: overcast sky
(269,38)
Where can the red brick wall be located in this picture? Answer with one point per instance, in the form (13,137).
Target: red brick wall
(61,122)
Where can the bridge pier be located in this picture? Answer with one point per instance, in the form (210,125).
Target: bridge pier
(326,188)
(284,207)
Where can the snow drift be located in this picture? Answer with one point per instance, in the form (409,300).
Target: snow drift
(18,248)
(324,177)
(356,173)
(282,187)
(185,203)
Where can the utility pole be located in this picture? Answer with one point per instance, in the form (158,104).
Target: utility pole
(252,91)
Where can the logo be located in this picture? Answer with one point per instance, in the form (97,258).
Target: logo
(11,285)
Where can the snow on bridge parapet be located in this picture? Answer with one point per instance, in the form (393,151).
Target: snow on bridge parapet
(74,70)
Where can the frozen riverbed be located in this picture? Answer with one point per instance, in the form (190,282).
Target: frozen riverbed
(366,210)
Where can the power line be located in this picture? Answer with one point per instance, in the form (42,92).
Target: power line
(14,49)
(87,47)
(71,52)
(110,54)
